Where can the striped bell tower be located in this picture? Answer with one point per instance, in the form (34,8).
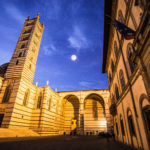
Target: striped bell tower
(18,80)
(23,61)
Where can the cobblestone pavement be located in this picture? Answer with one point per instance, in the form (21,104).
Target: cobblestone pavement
(62,143)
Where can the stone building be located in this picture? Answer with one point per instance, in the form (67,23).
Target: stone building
(127,63)
(27,107)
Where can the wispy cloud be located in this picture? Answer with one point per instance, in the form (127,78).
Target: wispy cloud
(78,40)
(85,84)
(14,12)
(49,49)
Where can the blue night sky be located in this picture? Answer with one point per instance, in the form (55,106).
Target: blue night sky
(71,27)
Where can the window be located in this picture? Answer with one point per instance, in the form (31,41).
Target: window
(116,92)
(25,38)
(17,62)
(129,56)
(30,23)
(112,66)
(27,31)
(20,54)
(122,81)
(146,114)
(136,3)
(116,49)
(24,53)
(120,16)
(39,102)
(131,125)
(109,78)
(122,127)
(117,128)
(26,97)
(7,94)
(23,46)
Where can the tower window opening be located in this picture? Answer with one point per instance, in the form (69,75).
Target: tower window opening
(30,23)
(17,62)
(27,31)
(7,94)
(24,53)
(25,38)
(23,46)
(20,54)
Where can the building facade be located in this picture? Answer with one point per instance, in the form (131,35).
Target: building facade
(29,107)
(127,64)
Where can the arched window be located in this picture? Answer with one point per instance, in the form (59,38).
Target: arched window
(20,54)
(26,97)
(131,124)
(122,126)
(116,92)
(122,81)
(146,115)
(120,16)
(7,94)
(116,49)
(112,66)
(129,56)
(39,102)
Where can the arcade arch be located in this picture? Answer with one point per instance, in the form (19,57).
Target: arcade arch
(70,105)
(94,114)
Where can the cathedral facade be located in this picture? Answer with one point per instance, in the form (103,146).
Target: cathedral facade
(26,106)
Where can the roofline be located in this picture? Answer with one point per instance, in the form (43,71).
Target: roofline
(83,90)
(107,11)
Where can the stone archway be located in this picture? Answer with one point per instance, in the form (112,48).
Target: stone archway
(94,114)
(70,104)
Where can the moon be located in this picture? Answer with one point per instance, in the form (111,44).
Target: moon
(73,57)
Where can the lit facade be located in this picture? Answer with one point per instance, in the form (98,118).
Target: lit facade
(127,63)
(27,107)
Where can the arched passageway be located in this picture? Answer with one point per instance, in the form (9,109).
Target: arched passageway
(94,114)
(71,114)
